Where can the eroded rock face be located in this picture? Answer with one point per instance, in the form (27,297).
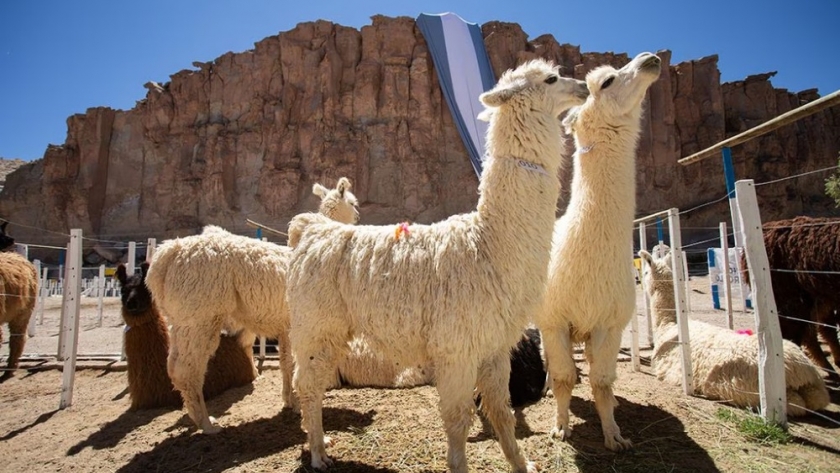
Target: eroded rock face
(246,136)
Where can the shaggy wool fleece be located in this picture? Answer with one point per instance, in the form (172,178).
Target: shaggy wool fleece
(18,292)
(457,293)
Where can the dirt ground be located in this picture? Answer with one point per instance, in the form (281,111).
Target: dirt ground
(374,430)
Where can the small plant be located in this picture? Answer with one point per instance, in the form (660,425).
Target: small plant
(754,427)
(832,185)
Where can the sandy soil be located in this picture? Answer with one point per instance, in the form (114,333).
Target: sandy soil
(374,430)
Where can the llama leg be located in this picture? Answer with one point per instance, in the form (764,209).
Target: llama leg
(829,334)
(190,350)
(287,368)
(492,383)
(313,372)
(602,353)
(823,313)
(814,351)
(17,340)
(559,357)
(455,383)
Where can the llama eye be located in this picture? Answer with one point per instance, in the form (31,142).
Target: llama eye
(551,80)
(607,83)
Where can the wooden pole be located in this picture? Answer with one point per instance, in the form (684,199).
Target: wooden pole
(680,301)
(727,283)
(787,118)
(72,290)
(771,362)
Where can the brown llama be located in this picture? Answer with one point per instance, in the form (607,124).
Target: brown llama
(804,257)
(147,347)
(18,290)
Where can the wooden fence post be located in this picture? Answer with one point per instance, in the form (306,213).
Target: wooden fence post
(70,328)
(771,362)
(679,291)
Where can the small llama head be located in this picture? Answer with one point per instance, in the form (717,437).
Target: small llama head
(338,204)
(658,276)
(534,86)
(7,243)
(615,104)
(136,298)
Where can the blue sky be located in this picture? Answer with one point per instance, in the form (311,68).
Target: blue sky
(60,57)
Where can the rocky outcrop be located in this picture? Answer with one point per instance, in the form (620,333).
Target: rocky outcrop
(246,135)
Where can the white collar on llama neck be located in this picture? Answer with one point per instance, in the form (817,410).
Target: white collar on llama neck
(531,166)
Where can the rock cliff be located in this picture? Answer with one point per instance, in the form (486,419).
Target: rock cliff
(246,135)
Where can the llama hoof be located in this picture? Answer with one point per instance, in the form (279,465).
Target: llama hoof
(211,426)
(530,467)
(561,433)
(321,462)
(617,443)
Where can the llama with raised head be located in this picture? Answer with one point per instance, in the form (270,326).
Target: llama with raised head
(457,293)
(590,295)
(217,281)
(724,362)
(18,290)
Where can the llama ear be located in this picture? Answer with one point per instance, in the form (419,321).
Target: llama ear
(121,274)
(319,190)
(144,268)
(500,95)
(646,256)
(570,120)
(343,185)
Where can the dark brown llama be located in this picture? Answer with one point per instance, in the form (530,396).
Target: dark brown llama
(18,290)
(147,347)
(804,257)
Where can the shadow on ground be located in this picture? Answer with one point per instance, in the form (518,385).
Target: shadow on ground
(652,430)
(239,444)
(110,434)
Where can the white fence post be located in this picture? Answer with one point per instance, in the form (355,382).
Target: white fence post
(43,290)
(31,329)
(70,328)
(771,362)
(62,281)
(687,283)
(150,249)
(131,257)
(634,330)
(643,244)
(100,293)
(727,284)
(679,290)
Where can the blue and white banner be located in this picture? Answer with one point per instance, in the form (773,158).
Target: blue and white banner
(464,71)
(717,273)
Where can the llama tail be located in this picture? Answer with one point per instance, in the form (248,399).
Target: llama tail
(161,262)
(299,223)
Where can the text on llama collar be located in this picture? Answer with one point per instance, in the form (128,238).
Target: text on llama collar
(531,166)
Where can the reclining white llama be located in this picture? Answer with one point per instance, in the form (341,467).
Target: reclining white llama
(214,281)
(457,293)
(725,363)
(591,291)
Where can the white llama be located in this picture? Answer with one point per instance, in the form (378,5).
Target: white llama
(457,293)
(590,295)
(217,280)
(725,363)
